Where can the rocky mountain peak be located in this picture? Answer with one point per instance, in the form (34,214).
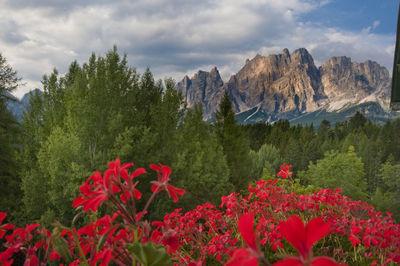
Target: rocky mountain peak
(347,82)
(289,84)
(285,52)
(283,83)
(302,56)
(204,87)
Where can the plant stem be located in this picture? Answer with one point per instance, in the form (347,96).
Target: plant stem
(148,203)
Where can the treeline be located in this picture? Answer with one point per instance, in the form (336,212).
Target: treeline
(358,156)
(104,109)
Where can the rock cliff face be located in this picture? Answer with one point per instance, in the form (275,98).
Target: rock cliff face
(287,85)
(204,87)
(350,82)
(284,83)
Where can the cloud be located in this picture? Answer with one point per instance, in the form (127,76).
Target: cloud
(173,38)
(324,43)
(376,24)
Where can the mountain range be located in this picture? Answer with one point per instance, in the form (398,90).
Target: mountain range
(290,86)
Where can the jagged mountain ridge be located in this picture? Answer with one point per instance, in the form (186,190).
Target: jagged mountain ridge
(285,86)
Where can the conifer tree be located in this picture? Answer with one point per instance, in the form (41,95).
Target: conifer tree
(199,167)
(9,185)
(232,140)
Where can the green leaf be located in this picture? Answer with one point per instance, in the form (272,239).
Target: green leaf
(61,246)
(149,254)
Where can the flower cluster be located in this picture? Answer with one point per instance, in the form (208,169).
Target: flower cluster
(352,231)
(104,240)
(266,226)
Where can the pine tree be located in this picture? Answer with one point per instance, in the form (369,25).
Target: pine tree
(199,167)
(232,140)
(9,183)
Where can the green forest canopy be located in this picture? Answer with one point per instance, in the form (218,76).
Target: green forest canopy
(104,109)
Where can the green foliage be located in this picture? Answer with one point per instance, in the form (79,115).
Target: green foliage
(231,137)
(265,161)
(95,113)
(74,125)
(10,200)
(338,170)
(200,166)
(149,254)
(299,145)
(57,161)
(387,195)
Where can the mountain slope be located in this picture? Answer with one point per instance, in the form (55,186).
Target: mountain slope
(288,86)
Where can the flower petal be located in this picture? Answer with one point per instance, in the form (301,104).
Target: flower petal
(293,230)
(137,194)
(242,256)
(289,262)
(315,230)
(2,216)
(137,172)
(323,261)
(155,167)
(246,222)
(172,191)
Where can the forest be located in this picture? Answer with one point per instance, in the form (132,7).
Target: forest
(104,109)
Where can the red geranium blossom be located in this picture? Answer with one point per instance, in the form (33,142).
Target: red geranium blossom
(302,239)
(92,194)
(98,189)
(284,172)
(4,227)
(246,256)
(162,183)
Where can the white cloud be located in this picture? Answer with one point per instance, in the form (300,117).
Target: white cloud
(376,24)
(173,38)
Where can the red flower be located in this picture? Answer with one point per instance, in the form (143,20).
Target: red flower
(246,223)
(242,257)
(320,261)
(284,172)
(98,189)
(116,171)
(4,227)
(92,195)
(303,238)
(54,255)
(246,256)
(162,183)
(105,257)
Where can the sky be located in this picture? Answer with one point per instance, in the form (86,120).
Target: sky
(179,37)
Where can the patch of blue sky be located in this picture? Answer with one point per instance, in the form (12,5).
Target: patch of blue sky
(377,16)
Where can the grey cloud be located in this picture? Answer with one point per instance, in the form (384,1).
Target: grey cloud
(57,7)
(9,32)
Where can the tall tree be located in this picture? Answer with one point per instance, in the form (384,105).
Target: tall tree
(232,140)
(200,166)
(9,184)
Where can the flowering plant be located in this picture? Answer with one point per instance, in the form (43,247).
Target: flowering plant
(266,226)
